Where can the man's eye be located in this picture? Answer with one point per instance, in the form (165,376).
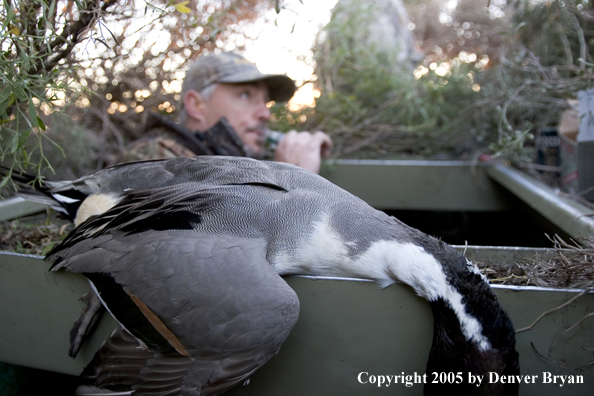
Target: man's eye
(245,95)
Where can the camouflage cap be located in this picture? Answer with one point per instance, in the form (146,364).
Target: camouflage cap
(228,67)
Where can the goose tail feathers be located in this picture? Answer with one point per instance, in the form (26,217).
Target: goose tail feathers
(32,189)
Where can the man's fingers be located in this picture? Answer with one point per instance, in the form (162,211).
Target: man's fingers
(325,143)
(304,149)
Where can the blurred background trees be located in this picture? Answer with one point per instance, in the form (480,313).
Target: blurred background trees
(79,77)
(491,75)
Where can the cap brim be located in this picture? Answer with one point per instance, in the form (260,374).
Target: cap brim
(281,88)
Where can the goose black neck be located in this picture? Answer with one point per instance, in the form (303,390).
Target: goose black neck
(493,348)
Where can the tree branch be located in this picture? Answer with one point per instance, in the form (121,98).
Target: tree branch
(74,32)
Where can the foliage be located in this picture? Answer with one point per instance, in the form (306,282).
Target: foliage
(490,79)
(102,64)
(471,27)
(533,51)
(35,39)
(373,104)
(546,60)
(106,64)
(143,65)
(33,235)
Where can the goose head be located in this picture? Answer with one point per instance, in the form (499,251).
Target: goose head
(472,334)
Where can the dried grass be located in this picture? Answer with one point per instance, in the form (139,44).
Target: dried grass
(567,265)
(33,236)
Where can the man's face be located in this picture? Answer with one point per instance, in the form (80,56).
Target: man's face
(244,106)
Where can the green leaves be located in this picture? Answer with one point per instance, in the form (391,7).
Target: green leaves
(510,145)
(5,94)
(6,100)
(32,112)
(41,124)
(32,41)
(5,180)
(181,7)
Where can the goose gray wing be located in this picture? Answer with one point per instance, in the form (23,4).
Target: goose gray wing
(208,310)
(154,174)
(97,192)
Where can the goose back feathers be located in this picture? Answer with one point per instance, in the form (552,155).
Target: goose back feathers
(187,258)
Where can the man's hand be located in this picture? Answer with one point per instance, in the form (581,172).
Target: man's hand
(304,149)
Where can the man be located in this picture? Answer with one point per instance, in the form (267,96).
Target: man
(227,85)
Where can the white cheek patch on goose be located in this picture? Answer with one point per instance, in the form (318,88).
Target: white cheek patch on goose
(93,205)
(410,264)
(325,253)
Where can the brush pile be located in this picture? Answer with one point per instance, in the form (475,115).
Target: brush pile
(35,236)
(567,266)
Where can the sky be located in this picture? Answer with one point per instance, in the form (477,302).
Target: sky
(283,42)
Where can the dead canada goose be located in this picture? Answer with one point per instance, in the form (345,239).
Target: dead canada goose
(187,257)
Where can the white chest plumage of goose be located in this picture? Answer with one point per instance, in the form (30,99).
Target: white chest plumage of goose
(187,258)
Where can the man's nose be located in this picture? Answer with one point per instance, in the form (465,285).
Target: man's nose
(263,112)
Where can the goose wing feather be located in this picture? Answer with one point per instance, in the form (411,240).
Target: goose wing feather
(213,299)
(207,170)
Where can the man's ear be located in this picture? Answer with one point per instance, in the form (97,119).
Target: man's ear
(194,106)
